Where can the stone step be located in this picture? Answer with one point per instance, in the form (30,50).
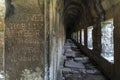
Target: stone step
(89,66)
(95,77)
(79,70)
(74,46)
(69,54)
(73,64)
(95,71)
(76,54)
(69,49)
(75,49)
(63,78)
(83,77)
(73,70)
(82,59)
(76,66)
(66,70)
(67,46)
(73,77)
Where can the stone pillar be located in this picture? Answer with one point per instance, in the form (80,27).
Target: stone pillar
(85,36)
(24,40)
(116,73)
(47,38)
(80,37)
(2,26)
(97,38)
(77,36)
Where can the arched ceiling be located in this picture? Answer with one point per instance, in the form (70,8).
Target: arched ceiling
(72,13)
(84,12)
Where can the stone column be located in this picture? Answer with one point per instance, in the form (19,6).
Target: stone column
(77,36)
(80,37)
(85,36)
(24,40)
(116,73)
(2,26)
(47,38)
(97,38)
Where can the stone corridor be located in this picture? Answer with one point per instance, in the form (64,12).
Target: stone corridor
(59,39)
(77,66)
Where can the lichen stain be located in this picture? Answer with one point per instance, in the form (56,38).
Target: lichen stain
(31,75)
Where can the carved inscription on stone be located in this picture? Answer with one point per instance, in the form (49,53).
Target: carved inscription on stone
(24,41)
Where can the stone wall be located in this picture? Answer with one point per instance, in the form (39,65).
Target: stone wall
(111,70)
(55,37)
(24,40)
(34,39)
(117,44)
(2,26)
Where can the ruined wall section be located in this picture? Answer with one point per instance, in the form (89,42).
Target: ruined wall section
(24,40)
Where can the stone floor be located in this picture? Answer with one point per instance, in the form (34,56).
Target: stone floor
(77,66)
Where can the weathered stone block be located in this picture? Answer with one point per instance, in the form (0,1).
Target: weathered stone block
(73,64)
(24,41)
